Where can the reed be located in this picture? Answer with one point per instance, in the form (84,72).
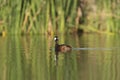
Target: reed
(103,16)
(53,16)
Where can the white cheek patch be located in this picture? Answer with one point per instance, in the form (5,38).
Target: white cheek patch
(55,38)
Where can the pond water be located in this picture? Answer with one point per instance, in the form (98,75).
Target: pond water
(94,57)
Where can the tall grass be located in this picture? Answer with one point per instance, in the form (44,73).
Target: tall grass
(53,16)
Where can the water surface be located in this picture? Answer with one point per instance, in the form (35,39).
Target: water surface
(94,57)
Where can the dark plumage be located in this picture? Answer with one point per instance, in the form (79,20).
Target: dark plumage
(61,47)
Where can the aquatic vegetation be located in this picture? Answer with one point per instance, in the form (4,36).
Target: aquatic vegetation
(53,16)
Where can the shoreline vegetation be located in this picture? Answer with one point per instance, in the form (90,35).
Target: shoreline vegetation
(59,16)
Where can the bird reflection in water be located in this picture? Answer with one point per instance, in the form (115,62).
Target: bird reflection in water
(60,48)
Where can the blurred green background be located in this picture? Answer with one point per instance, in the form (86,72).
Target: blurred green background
(59,16)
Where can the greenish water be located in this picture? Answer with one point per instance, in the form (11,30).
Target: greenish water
(94,57)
